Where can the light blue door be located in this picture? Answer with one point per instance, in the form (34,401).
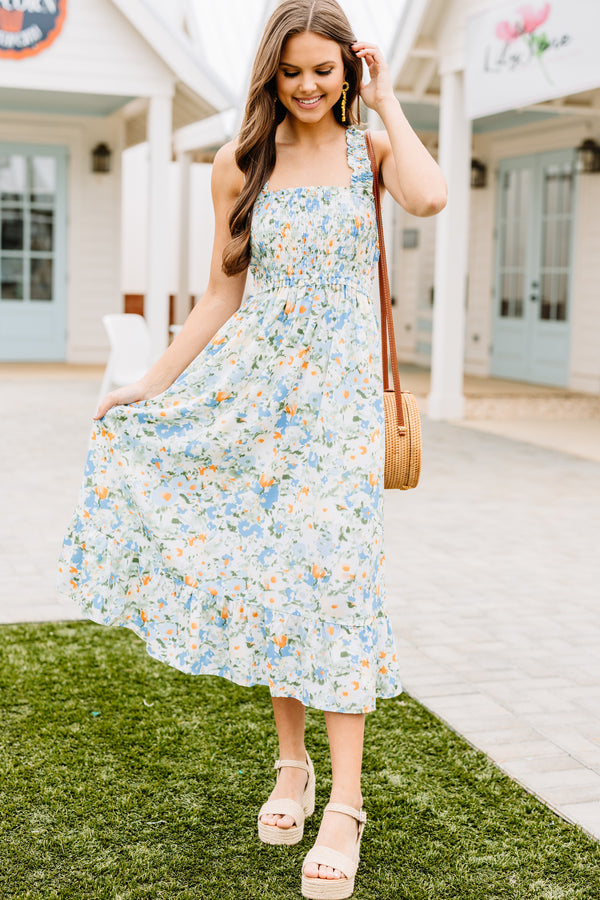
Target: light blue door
(33,226)
(534,248)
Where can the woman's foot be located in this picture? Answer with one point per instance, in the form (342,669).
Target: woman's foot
(290,785)
(339,832)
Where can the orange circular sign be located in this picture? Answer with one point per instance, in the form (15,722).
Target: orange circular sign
(29,26)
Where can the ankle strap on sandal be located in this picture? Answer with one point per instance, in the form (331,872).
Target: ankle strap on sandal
(293,763)
(358,814)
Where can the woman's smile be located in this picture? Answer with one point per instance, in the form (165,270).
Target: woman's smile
(309,102)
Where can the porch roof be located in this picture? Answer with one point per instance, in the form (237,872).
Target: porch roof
(176,50)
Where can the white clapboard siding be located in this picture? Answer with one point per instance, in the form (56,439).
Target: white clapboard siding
(585,340)
(478,333)
(97,51)
(96,270)
(412,278)
(424,310)
(94,253)
(405,286)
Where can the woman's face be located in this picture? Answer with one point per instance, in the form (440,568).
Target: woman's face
(310,76)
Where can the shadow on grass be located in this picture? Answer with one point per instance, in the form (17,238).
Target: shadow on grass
(123,778)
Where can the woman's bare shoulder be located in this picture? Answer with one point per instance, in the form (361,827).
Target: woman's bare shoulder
(226,175)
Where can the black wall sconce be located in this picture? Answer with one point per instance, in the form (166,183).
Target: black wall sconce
(478,174)
(101,157)
(588,156)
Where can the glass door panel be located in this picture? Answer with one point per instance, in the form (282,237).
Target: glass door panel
(557,214)
(515,202)
(12,279)
(32,251)
(41,279)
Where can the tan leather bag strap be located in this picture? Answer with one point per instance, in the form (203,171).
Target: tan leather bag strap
(387,321)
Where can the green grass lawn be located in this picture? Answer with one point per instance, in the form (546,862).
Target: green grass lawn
(123,778)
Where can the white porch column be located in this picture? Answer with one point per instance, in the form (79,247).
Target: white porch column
(156,303)
(446,399)
(182,300)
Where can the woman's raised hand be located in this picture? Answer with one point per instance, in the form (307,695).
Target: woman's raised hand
(130,393)
(380,88)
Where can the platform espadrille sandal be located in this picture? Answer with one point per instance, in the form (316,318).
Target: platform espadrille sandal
(274,834)
(334,888)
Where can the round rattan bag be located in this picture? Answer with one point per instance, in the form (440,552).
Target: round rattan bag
(402,446)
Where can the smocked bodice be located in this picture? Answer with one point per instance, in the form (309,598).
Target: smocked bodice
(323,235)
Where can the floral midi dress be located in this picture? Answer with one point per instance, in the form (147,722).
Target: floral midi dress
(235,520)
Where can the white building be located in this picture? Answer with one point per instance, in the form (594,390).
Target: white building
(504,282)
(75,75)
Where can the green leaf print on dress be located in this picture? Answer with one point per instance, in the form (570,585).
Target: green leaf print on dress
(235,521)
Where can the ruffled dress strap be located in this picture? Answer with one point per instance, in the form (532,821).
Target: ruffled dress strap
(358,160)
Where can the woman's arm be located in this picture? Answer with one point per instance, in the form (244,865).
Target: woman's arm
(221,298)
(408,171)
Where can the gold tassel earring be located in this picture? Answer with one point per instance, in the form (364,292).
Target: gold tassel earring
(274,106)
(345,88)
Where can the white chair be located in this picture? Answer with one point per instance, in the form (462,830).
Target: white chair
(130,350)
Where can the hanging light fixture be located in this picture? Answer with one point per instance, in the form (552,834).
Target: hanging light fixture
(478,174)
(588,156)
(101,157)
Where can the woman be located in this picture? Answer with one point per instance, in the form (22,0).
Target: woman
(231,512)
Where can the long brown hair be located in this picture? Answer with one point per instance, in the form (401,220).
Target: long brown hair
(255,153)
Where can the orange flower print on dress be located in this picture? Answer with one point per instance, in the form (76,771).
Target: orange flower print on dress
(234,522)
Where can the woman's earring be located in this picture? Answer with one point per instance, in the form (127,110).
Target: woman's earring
(345,88)
(274,105)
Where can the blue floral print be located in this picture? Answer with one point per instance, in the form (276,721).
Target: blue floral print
(235,521)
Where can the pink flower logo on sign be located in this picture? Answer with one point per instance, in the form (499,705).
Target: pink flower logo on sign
(533,19)
(507,32)
(525,29)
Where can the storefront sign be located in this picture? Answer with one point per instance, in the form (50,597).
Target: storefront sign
(523,53)
(29,26)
